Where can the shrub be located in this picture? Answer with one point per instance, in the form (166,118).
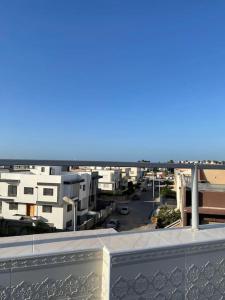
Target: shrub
(167,193)
(167,216)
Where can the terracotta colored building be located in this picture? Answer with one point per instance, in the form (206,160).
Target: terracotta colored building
(211,196)
(211,205)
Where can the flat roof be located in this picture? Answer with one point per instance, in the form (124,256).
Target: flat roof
(209,187)
(10,162)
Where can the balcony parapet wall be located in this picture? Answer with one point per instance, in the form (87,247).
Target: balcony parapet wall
(102,264)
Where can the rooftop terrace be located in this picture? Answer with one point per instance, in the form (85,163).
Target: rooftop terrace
(103,264)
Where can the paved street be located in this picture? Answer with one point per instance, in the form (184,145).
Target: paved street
(140,211)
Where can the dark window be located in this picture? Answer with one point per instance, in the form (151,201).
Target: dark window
(0,207)
(80,187)
(28,190)
(69,207)
(84,187)
(42,169)
(13,206)
(47,192)
(69,223)
(47,208)
(12,190)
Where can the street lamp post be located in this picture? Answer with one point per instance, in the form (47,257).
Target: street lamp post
(159,191)
(37,202)
(74,215)
(153,187)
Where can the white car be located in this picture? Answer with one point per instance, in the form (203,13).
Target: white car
(124,210)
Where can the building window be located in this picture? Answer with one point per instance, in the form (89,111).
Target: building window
(12,190)
(81,187)
(42,169)
(69,224)
(0,207)
(69,207)
(47,208)
(84,187)
(52,171)
(28,191)
(47,192)
(13,206)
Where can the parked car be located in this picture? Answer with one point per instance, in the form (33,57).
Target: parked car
(113,223)
(124,210)
(135,197)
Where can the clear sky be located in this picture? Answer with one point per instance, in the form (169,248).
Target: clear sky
(112,80)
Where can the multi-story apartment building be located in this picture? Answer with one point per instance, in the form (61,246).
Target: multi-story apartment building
(42,192)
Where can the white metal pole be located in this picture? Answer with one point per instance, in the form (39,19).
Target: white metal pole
(194,198)
(74,216)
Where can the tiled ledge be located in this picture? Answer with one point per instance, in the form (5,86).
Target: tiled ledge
(113,241)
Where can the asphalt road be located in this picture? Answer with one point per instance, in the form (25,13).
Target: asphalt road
(140,211)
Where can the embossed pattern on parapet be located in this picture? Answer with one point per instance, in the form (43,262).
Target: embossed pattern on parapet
(160,285)
(81,288)
(154,254)
(33,262)
(206,282)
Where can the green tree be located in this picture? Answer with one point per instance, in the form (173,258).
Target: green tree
(167,216)
(170,161)
(130,187)
(167,192)
(171,170)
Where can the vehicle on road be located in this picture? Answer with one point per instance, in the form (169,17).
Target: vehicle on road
(124,210)
(135,197)
(113,223)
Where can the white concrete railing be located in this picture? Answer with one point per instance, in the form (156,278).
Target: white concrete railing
(102,264)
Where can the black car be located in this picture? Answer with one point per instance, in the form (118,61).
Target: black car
(135,197)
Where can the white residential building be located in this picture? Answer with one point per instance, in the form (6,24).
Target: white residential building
(135,174)
(125,176)
(110,179)
(41,192)
(87,193)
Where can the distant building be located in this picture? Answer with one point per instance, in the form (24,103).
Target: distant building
(135,174)
(110,179)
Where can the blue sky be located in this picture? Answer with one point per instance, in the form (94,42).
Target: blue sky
(112,80)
